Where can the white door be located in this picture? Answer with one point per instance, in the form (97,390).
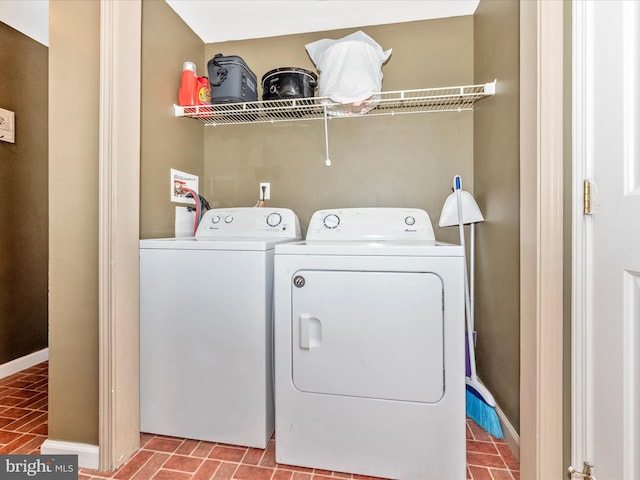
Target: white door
(606,329)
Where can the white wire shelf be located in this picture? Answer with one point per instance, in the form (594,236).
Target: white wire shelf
(448,99)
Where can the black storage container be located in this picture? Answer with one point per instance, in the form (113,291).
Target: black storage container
(231,80)
(288,82)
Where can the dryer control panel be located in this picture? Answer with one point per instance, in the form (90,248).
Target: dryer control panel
(249,222)
(371,224)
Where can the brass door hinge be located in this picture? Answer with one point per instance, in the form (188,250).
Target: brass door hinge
(586,195)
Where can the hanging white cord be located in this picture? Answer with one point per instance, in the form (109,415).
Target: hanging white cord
(326,138)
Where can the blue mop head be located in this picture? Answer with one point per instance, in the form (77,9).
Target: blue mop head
(483,414)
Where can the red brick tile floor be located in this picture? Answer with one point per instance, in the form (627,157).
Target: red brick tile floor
(23,428)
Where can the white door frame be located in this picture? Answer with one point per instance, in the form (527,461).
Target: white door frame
(118,257)
(541,238)
(581,449)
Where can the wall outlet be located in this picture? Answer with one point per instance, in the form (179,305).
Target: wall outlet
(267,191)
(178,181)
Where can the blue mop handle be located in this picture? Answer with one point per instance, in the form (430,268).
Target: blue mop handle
(457,186)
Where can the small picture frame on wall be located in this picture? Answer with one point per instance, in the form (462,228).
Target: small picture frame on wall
(7,126)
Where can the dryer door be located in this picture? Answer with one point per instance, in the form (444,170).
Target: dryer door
(369,334)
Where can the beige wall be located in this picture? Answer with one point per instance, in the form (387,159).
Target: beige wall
(74,39)
(407,160)
(23,197)
(497,191)
(166,141)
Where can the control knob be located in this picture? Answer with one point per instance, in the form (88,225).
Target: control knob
(215,219)
(410,220)
(274,219)
(331,221)
(228,219)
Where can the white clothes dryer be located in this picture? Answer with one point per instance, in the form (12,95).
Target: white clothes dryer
(206,327)
(369,347)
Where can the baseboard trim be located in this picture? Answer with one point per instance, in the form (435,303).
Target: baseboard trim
(88,455)
(510,434)
(19,364)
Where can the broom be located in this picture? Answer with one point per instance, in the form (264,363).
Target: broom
(481,406)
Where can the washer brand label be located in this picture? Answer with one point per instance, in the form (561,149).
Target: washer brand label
(299,281)
(52,467)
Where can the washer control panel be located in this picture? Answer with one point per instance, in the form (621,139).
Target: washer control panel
(371,224)
(249,222)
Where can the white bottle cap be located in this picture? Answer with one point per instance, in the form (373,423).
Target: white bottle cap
(189,66)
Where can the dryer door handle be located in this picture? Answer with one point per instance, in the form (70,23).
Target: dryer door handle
(305,319)
(310,331)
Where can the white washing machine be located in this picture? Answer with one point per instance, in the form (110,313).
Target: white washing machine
(369,347)
(206,327)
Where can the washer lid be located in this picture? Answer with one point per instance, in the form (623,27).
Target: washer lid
(227,244)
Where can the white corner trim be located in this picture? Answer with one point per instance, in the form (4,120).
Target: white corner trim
(88,455)
(510,434)
(19,364)
(119,223)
